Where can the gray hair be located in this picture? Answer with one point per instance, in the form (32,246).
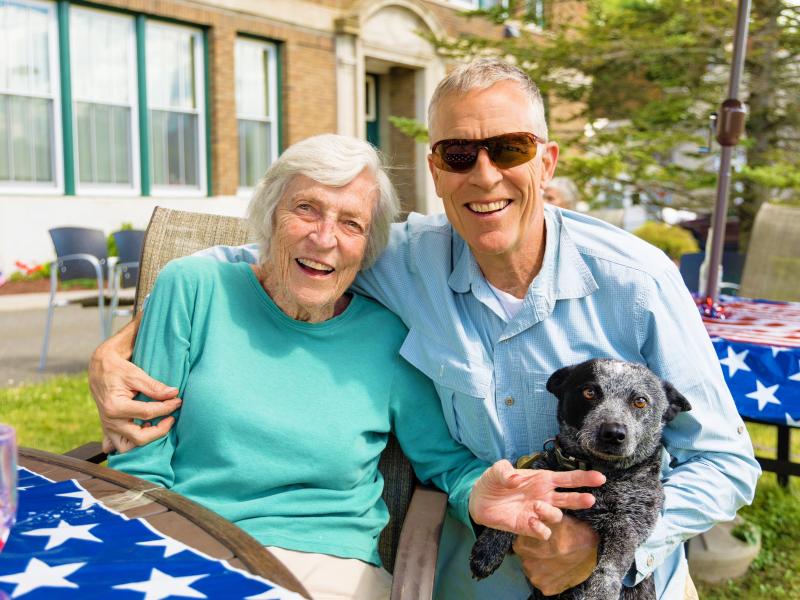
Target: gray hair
(333,160)
(482,73)
(568,189)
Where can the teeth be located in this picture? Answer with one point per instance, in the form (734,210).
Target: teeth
(488,207)
(314,265)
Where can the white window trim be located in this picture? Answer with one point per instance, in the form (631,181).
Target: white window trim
(182,191)
(57,187)
(97,189)
(272,83)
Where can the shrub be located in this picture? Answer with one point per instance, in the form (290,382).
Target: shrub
(674,241)
(112,245)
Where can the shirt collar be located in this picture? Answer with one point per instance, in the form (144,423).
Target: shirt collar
(564,273)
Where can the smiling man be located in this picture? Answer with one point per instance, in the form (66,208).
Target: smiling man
(499,293)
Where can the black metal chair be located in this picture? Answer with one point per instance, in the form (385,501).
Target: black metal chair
(125,272)
(732,267)
(81,253)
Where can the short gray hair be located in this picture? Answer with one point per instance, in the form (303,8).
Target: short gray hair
(333,160)
(482,73)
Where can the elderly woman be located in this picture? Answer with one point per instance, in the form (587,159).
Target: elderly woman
(291,384)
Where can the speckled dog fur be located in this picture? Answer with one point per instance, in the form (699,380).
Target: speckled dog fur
(610,414)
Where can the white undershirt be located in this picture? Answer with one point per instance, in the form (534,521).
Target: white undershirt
(511,304)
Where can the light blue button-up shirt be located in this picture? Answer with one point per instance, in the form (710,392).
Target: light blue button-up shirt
(601,292)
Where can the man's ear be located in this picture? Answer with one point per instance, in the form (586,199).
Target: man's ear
(549,162)
(556,381)
(676,402)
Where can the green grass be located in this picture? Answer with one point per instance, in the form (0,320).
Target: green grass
(59,414)
(56,415)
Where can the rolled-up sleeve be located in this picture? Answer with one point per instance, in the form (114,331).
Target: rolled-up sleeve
(712,471)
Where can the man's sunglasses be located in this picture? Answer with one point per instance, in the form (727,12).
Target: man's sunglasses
(505,151)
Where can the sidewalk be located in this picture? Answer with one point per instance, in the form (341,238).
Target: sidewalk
(74,336)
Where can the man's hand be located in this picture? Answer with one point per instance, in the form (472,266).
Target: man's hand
(114,381)
(563,561)
(525,501)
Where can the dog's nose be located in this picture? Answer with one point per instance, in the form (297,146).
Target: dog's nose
(613,432)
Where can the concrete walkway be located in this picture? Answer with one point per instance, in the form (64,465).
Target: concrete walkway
(74,335)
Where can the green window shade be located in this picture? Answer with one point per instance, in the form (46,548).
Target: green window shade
(103,56)
(27,99)
(256,107)
(174,67)
(174,148)
(254,151)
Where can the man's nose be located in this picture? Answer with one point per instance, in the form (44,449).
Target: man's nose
(485,174)
(325,234)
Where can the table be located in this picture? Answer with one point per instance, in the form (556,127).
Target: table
(758,346)
(86,531)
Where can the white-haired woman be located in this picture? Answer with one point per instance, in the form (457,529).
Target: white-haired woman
(291,384)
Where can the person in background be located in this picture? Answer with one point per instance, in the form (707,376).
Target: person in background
(562,192)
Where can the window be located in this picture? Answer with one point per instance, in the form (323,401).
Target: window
(256,107)
(29,99)
(103,57)
(176,108)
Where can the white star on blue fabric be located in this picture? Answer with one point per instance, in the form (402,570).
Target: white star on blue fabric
(776,349)
(65,532)
(764,395)
(795,377)
(38,574)
(170,546)
(161,585)
(792,422)
(735,361)
(87,500)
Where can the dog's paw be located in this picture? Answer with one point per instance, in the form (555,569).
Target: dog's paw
(489,551)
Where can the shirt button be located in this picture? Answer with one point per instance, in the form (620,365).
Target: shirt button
(509,401)
(650,560)
(740,429)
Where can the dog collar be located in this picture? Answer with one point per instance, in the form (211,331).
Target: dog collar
(552,451)
(565,461)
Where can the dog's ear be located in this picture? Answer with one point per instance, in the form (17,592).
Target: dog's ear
(676,402)
(556,381)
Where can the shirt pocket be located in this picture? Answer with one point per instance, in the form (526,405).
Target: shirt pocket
(465,389)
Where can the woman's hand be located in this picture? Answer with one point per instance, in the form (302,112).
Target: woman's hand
(525,501)
(115,381)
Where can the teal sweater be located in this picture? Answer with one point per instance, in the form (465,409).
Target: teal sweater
(283,422)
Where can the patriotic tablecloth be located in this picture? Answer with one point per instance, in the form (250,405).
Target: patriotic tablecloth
(758,346)
(67,545)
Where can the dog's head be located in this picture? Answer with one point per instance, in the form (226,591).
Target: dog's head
(613,411)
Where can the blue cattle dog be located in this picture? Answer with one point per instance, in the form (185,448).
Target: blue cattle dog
(611,414)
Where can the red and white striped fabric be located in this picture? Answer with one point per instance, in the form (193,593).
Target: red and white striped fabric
(766,323)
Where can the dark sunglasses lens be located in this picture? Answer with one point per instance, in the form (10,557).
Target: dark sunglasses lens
(458,156)
(511,150)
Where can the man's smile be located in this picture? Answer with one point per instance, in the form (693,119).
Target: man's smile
(488,207)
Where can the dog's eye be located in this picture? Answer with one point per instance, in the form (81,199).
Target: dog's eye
(589,393)
(639,402)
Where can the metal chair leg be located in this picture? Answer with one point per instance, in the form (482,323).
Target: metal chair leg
(50,309)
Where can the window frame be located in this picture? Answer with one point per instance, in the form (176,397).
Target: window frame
(181,191)
(103,189)
(272,100)
(56,187)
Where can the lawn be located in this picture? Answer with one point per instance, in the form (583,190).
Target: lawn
(59,415)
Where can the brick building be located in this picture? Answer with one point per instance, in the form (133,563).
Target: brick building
(112,107)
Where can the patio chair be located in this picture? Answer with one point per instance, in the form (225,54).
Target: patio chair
(124,272)
(772,268)
(81,254)
(732,266)
(409,544)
